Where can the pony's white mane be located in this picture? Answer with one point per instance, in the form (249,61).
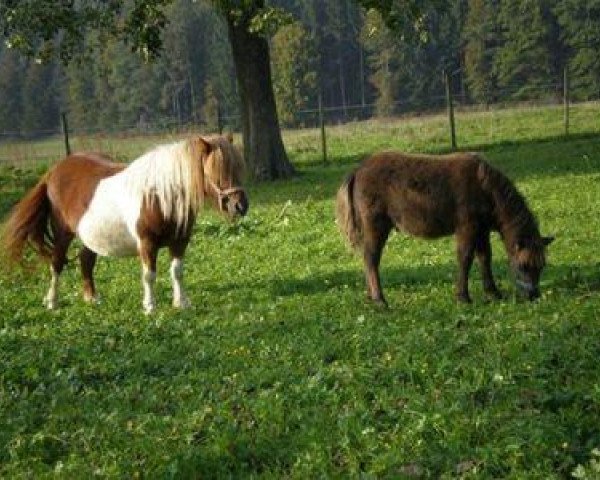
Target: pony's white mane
(170,175)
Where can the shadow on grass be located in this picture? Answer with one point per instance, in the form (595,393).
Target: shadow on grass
(567,281)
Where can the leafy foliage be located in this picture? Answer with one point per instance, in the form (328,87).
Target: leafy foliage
(41,29)
(523,59)
(405,17)
(580,24)
(381,45)
(481,39)
(294,71)
(496,51)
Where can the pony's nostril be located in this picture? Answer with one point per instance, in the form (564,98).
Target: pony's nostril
(241,208)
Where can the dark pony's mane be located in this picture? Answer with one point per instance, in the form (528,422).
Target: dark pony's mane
(515,220)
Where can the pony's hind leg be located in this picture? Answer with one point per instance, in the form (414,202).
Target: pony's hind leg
(51,298)
(375,237)
(62,240)
(87,260)
(180,299)
(148,253)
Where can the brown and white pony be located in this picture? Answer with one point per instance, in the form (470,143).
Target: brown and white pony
(123,210)
(434,196)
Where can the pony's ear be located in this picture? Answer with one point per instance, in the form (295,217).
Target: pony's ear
(203,144)
(229,137)
(547,240)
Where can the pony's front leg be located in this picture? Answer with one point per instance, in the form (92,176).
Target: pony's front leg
(465,252)
(148,254)
(483,251)
(180,299)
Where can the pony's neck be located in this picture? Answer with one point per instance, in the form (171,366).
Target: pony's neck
(512,215)
(168,175)
(512,233)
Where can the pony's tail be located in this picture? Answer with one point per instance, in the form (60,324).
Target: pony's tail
(28,224)
(346,218)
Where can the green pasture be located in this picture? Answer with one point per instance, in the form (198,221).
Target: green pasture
(282,369)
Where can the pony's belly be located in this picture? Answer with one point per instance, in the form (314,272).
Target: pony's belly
(106,236)
(108,226)
(425,224)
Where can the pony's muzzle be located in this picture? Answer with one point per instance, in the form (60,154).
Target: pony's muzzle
(528,290)
(241,208)
(236,204)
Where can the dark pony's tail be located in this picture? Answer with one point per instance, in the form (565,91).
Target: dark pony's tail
(345,212)
(28,224)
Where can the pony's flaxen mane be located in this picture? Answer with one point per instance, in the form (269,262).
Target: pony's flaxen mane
(174,175)
(227,164)
(171,175)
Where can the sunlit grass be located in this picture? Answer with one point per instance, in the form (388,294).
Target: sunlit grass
(282,369)
(427,132)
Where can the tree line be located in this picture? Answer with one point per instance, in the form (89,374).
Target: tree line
(496,50)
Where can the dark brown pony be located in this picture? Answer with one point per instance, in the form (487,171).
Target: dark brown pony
(122,210)
(434,196)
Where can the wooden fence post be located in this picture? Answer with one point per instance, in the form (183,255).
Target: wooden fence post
(450,104)
(322,125)
(566,100)
(219,120)
(65,129)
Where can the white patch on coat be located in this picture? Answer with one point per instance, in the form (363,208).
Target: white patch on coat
(108,227)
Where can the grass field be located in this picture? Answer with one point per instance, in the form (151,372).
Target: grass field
(282,369)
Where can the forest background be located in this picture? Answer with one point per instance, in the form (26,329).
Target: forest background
(496,51)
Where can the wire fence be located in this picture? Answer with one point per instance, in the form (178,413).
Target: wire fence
(465,122)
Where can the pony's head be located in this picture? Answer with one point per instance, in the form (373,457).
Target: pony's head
(223,171)
(528,259)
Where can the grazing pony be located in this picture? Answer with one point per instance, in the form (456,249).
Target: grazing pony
(434,196)
(123,210)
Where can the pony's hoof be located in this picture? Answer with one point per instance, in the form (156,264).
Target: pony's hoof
(379,302)
(182,303)
(494,294)
(91,299)
(50,303)
(463,298)
(149,309)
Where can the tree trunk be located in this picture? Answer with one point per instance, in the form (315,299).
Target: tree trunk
(263,147)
